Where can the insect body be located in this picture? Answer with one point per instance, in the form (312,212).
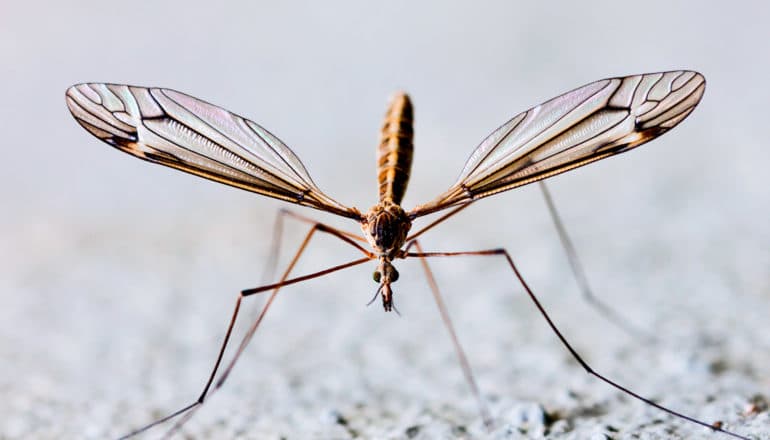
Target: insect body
(386,224)
(592,122)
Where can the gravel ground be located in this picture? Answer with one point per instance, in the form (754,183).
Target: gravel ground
(118,278)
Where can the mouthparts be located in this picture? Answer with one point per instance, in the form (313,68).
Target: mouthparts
(387,297)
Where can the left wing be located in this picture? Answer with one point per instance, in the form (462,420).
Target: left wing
(177,130)
(592,122)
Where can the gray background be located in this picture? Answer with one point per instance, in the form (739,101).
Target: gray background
(117,277)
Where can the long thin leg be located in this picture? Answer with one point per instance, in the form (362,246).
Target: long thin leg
(275,245)
(466,366)
(189,409)
(283,282)
(589,370)
(580,276)
(437,221)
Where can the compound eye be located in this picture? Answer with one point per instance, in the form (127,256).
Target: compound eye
(394,275)
(376,276)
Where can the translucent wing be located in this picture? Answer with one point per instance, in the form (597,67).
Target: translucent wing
(592,122)
(173,129)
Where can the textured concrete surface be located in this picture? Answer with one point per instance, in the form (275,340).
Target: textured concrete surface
(118,277)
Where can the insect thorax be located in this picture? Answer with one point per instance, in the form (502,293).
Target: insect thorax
(386,226)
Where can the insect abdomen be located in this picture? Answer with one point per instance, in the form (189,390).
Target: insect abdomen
(394,154)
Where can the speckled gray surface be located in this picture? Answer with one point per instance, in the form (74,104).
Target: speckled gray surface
(118,277)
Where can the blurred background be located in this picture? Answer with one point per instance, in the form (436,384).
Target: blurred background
(117,277)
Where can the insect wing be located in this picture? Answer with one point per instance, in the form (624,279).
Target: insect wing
(592,122)
(177,130)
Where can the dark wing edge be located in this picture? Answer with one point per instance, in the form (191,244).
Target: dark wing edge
(179,131)
(598,120)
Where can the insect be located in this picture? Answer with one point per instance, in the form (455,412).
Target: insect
(598,120)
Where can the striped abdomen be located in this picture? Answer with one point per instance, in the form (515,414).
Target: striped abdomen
(394,155)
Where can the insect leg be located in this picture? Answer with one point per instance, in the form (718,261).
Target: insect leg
(605,310)
(503,253)
(190,409)
(437,221)
(466,366)
(275,245)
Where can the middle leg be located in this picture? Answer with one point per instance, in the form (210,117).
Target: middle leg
(462,358)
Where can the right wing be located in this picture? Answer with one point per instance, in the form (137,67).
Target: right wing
(592,122)
(177,130)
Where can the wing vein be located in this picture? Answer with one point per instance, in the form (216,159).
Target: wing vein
(598,120)
(191,135)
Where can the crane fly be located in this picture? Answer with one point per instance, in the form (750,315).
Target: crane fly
(598,120)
